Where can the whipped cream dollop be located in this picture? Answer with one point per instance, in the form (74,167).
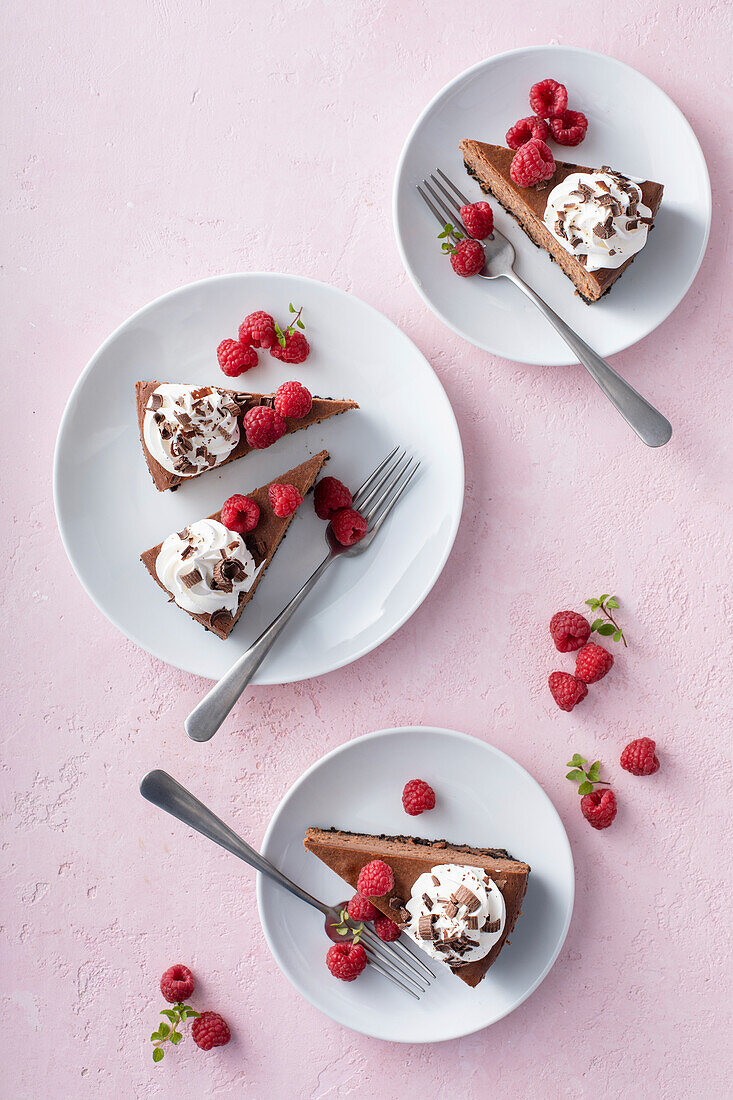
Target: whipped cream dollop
(599,216)
(188,429)
(457,913)
(205,567)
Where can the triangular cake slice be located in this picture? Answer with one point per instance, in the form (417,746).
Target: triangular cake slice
(186,430)
(496,884)
(616,214)
(211,572)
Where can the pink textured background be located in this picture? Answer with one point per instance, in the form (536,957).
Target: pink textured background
(159,141)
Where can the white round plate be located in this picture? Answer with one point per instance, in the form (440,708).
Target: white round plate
(633,126)
(109,511)
(483,798)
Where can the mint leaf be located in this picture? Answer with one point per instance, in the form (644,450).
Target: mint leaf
(176,1038)
(603,598)
(291,307)
(606,629)
(593,604)
(596,624)
(300,324)
(158,1054)
(594,771)
(575,775)
(585,788)
(155,1036)
(172,1016)
(163,1030)
(613,602)
(617,635)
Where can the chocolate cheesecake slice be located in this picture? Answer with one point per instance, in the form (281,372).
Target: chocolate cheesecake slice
(187,430)
(421,914)
(211,572)
(614,205)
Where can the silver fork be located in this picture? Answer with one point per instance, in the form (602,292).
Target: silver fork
(375,499)
(397,962)
(648,423)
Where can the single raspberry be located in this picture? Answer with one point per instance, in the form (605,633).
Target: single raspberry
(566,690)
(478,219)
(235,358)
(569,128)
(386,929)
(210,1030)
(293,400)
(295,351)
(592,663)
(417,797)
(375,879)
(569,631)
(263,426)
(532,163)
(525,130)
(349,526)
(329,495)
(284,500)
(548,99)
(258,329)
(346,960)
(639,757)
(240,514)
(468,258)
(599,808)
(360,908)
(177,983)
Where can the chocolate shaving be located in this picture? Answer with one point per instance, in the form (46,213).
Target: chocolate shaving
(221,619)
(428,901)
(187,551)
(395,903)
(405,917)
(469,943)
(464,896)
(575,241)
(472,924)
(633,223)
(560,228)
(232,408)
(192,578)
(605,230)
(436,881)
(182,417)
(184,445)
(582,260)
(584,191)
(491,925)
(603,185)
(155,402)
(451,909)
(425,927)
(227,572)
(632,208)
(184,534)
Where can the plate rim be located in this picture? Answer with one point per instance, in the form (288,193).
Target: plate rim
(260,679)
(392,731)
(544,361)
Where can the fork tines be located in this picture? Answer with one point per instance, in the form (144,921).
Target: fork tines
(376,498)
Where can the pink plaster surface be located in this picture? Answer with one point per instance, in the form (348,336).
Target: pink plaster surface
(154,143)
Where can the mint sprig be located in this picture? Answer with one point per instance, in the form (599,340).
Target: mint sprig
(606,626)
(587,779)
(282,334)
(168,1032)
(449,230)
(345,927)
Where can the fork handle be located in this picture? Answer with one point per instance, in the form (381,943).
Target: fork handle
(206,717)
(648,423)
(167,794)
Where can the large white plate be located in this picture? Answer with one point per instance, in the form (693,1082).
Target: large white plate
(484,798)
(633,126)
(108,510)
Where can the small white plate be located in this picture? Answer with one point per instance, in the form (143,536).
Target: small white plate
(633,126)
(483,798)
(109,511)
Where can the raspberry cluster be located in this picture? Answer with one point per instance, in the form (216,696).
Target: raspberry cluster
(533,161)
(332,501)
(261,330)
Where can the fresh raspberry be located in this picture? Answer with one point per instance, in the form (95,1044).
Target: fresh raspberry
(569,128)
(293,400)
(386,929)
(329,495)
(240,514)
(592,663)
(639,757)
(375,879)
(177,983)
(263,426)
(599,808)
(417,797)
(360,908)
(548,99)
(468,258)
(349,526)
(210,1030)
(566,690)
(235,358)
(525,130)
(284,500)
(532,163)
(569,631)
(478,219)
(346,960)
(258,329)
(295,351)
